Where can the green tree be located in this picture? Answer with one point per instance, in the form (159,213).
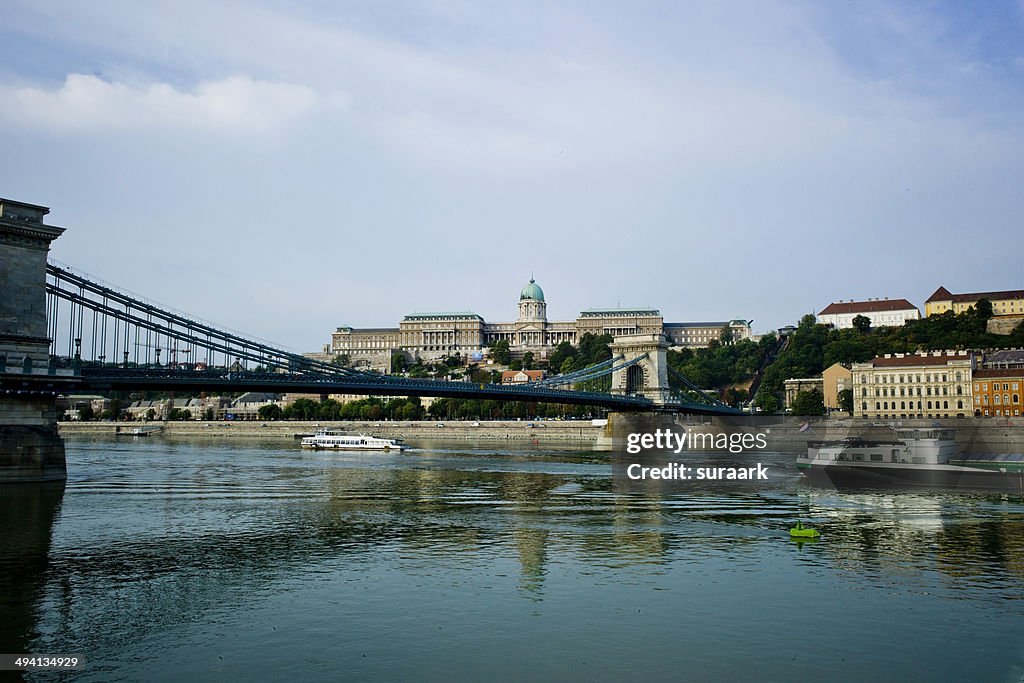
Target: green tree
(271,411)
(528,360)
(861,323)
(846,400)
(150,414)
(809,402)
(399,363)
(767,402)
(983,310)
(341,360)
(500,352)
(86,413)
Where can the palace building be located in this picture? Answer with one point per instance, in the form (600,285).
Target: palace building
(428,336)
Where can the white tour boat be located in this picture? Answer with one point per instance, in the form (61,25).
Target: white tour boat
(327,439)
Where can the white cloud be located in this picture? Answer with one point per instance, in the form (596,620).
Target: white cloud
(86,102)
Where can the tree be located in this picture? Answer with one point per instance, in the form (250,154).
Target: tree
(86,412)
(210,414)
(862,323)
(151,414)
(528,360)
(271,411)
(341,360)
(846,400)
(767,402)
(983,310)
(809,402)
(399,363)
(500,352)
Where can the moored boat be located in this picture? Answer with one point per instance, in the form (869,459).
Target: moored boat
(923,457)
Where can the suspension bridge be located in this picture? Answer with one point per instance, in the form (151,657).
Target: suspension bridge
(64,332)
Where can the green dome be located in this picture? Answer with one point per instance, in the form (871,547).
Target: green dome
(532,291)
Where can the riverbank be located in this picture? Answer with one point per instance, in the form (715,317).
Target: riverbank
(512,430)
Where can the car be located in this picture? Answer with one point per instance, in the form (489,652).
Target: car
(440,424)
(475,424)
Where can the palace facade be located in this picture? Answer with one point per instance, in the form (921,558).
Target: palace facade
(428,336)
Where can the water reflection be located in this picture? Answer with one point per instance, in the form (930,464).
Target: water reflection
(159,546)
(27,514)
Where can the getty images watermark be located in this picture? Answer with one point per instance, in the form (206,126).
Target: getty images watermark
(655,456)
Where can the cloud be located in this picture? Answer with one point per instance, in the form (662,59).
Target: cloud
(86,102)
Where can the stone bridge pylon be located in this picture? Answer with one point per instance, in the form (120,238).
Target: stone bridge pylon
(647,378)
(30,447)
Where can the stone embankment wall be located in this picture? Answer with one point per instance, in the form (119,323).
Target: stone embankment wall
(556,430)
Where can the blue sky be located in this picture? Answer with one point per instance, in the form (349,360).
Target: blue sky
(287,168)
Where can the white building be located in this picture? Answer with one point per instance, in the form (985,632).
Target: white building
(881,312)
(924,385)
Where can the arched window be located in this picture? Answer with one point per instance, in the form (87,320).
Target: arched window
(929,405)
(878,406)
(959,405)
(945,405)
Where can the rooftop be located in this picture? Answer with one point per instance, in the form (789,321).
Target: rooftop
(869,306)
(988,373)
(943,294)
(911,359)
(443,315)
(595,312)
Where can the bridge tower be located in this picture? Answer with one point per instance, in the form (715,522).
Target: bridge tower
(30,448)
(649,377)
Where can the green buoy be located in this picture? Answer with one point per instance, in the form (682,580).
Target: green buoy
(800,531)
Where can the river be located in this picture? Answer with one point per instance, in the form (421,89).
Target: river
(169,560)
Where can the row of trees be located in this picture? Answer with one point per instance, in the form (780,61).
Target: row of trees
(412,409)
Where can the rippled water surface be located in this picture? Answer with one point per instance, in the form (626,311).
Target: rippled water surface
(170,560)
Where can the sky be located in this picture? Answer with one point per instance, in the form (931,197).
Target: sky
(287,168)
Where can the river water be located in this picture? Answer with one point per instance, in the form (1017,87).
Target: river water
(189,560)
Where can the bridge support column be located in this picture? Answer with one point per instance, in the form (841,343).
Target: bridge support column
(30,447)
(649,377)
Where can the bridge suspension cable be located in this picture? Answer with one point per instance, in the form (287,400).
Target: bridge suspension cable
(123,330)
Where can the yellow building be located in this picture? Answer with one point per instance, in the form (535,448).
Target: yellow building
(834,379)
(1007,303)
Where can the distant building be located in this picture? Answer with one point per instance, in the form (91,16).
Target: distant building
(521,376)
(798,385)
(429,336)
(1003,358)
(1006,303)
(926,385)
(835,379)
(997,392)
(881,312)
(700,335)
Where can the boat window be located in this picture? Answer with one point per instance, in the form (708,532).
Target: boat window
(876,457)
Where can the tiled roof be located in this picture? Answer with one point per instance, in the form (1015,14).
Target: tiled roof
(868,306)
(987,373)
(912,359)
(943,294)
